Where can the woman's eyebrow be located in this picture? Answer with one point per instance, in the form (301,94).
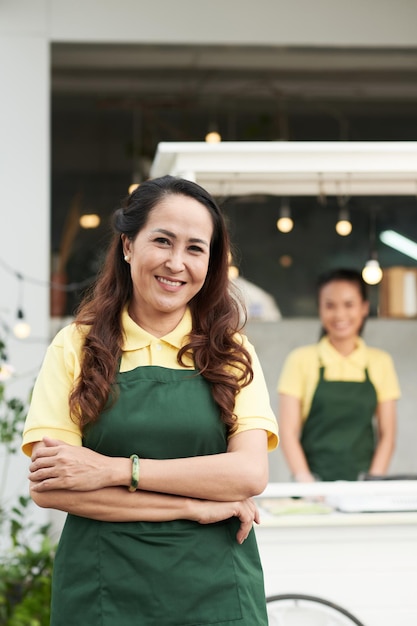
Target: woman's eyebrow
(168,233)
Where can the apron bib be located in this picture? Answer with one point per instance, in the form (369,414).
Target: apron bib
(176,573)
(338,436)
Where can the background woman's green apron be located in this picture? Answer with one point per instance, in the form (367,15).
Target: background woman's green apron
(176,573)
(338,436)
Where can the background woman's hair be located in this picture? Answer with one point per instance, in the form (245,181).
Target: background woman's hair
(346,275)
(217,352)
(343,274)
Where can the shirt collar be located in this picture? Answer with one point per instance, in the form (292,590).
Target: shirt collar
(135,337)
(328,354)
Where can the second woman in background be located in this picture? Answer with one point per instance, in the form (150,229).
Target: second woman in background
(337,405)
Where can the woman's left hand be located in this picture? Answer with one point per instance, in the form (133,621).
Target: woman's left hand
(58,465)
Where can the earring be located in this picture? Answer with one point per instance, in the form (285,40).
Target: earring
(127,258)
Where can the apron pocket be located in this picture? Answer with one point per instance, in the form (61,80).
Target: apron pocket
(173,573)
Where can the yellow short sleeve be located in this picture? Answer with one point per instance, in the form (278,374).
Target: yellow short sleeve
(48,414)
(253,407)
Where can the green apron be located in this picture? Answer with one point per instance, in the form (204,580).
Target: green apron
(338,435)
(176,573)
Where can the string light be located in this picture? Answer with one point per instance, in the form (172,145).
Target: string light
(21,329)
(75,286)
(6,371)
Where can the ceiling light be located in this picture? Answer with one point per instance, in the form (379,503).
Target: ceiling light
(399,242)
(132,187)
(213,136)
(89,220)
(285,260)
(372,272)
(343,225)
(285,223)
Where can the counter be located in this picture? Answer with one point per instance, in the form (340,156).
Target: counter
(363,562)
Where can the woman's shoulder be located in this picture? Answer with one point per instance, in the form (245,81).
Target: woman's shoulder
(378,356)
(70,336)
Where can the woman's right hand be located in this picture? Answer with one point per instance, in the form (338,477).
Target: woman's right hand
(209,512)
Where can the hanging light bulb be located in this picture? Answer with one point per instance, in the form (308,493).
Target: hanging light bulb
(285,223)
(139,162)
(132,187)
(233,271)
(89,220)
(343,224)
(21,329)
(285,260)
(6,371)
(372,272)
(213,135)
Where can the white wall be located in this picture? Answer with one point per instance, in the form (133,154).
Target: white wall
(24,193)
(265,22)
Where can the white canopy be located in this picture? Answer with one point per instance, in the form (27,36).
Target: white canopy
(286,168)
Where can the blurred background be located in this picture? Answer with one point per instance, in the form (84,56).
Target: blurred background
(89,91)
(111,104)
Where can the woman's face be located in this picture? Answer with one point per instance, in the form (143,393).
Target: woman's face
(169,257)
(342,310)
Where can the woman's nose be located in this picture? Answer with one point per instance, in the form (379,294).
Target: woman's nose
(175,261)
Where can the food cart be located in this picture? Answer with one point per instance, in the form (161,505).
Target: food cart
(339,554)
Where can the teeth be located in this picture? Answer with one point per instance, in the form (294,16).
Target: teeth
(172,283)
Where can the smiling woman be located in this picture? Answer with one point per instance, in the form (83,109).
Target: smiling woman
(169,260)
(150,425)
(331,392)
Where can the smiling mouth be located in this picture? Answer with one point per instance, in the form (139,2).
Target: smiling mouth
(341,326)
(170,283)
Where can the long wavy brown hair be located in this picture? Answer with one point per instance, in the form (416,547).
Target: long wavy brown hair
(216,311)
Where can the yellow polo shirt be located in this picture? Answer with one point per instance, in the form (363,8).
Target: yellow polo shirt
(300,373)
(49,412)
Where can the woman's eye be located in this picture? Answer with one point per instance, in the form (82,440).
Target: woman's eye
(162,240)
(195,249)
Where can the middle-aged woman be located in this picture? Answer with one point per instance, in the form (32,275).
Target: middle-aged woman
(150,424)
(337,407)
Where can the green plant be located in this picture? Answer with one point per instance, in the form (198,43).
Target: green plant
(27,559)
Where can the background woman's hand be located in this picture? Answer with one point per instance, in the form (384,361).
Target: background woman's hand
(209,512)
(58,465)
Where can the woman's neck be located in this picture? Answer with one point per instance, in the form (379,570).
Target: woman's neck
(344,346)
(158,327)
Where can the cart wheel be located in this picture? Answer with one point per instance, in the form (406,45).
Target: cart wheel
(293,609)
